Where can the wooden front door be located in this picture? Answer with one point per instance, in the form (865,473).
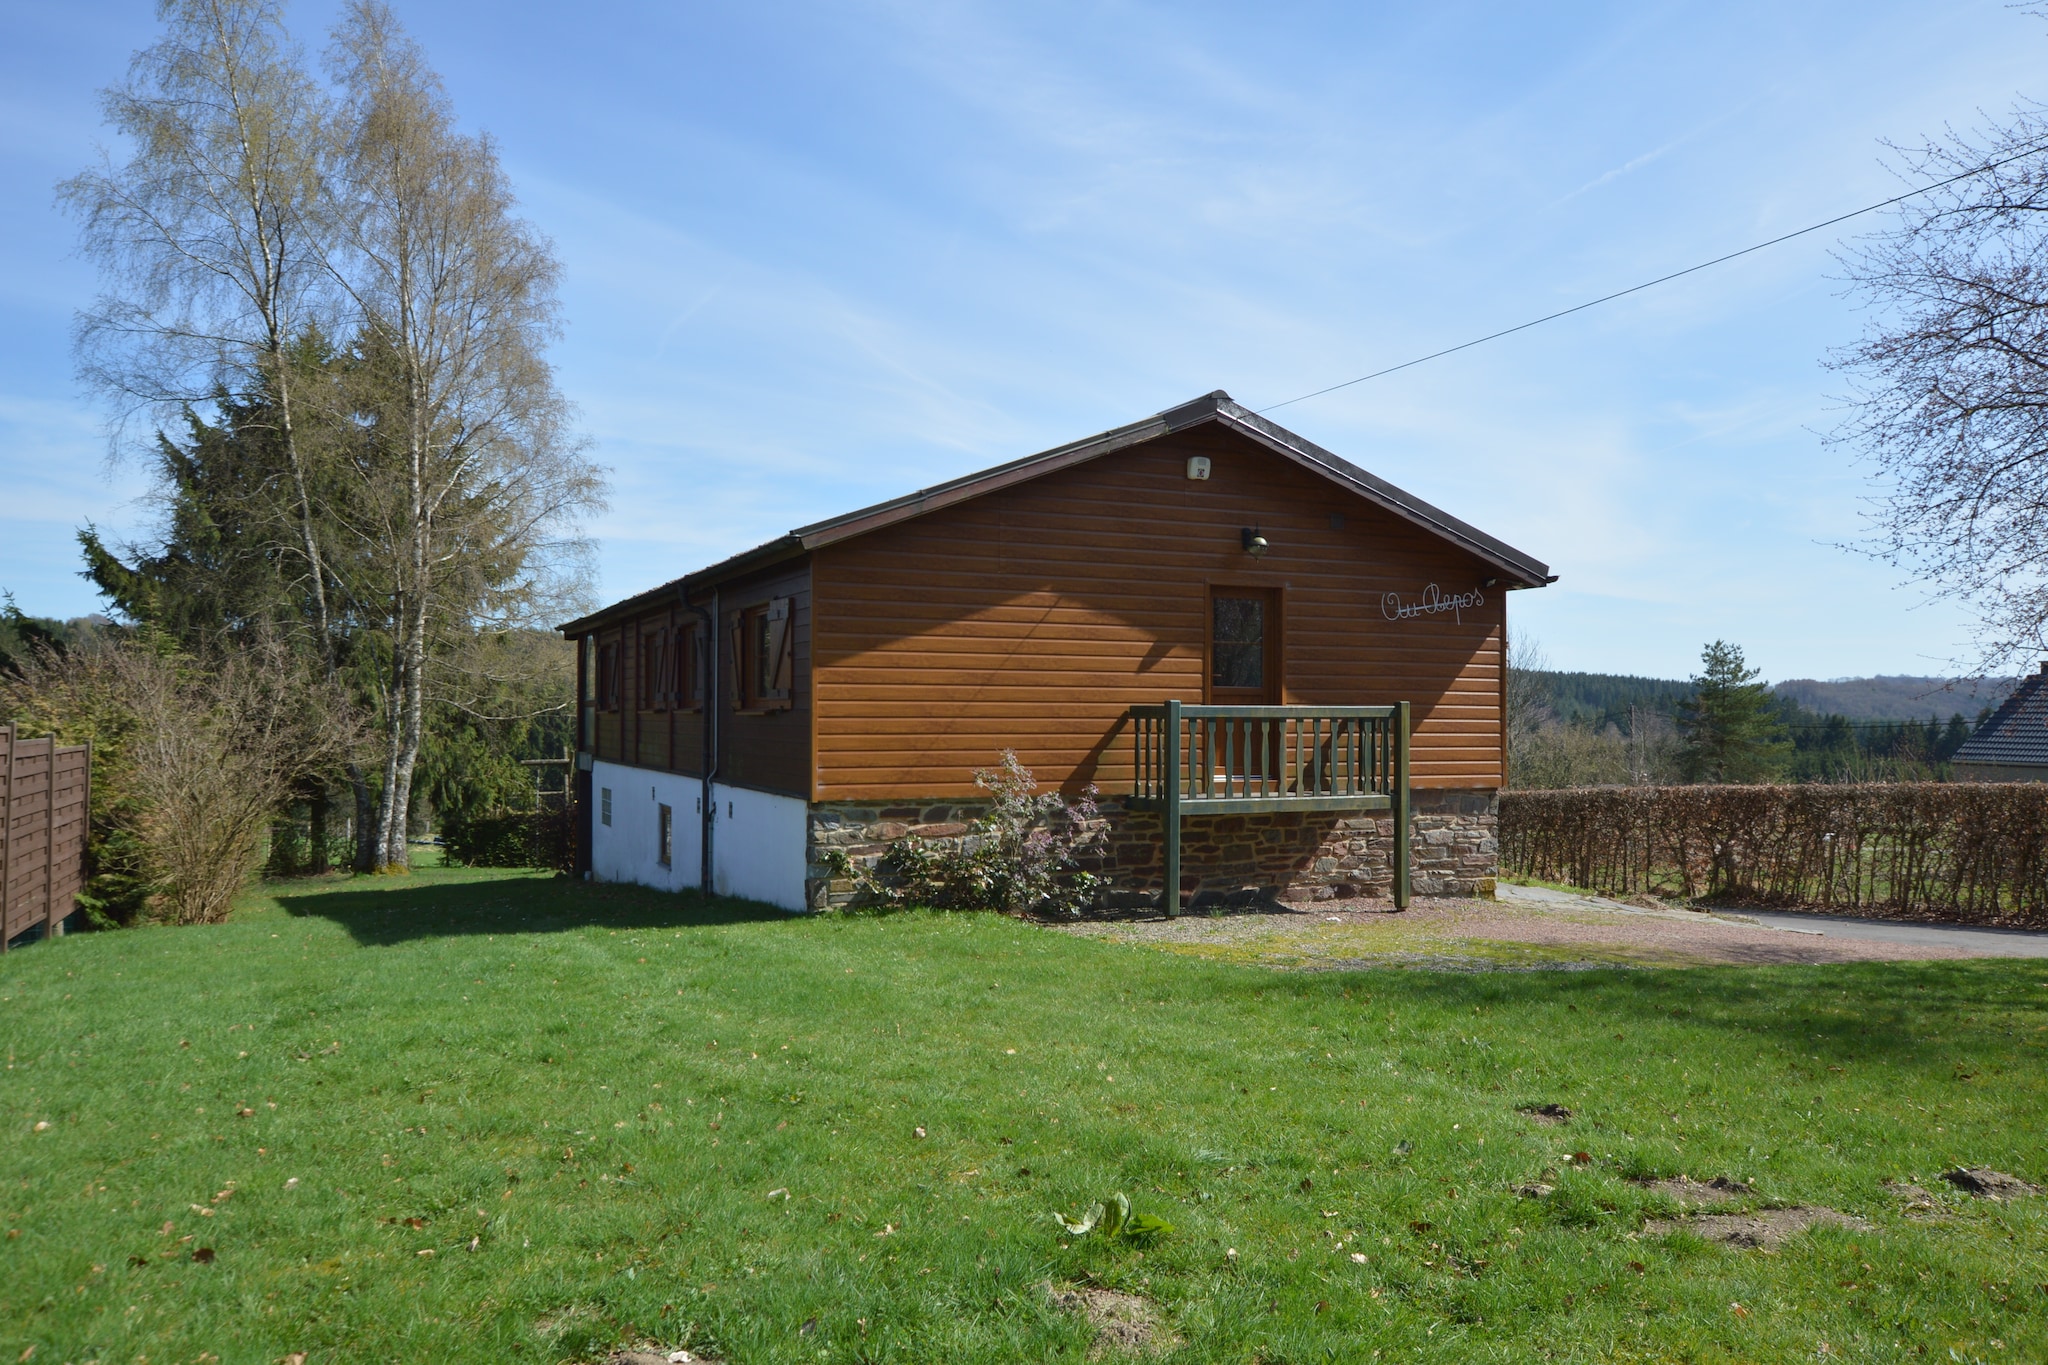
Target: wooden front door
(1244,647)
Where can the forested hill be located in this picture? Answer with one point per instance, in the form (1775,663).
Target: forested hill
(1599,698)
(1895,698)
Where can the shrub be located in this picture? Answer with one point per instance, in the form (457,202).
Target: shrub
(540,838)
(1966,850)
(1027,855)
(297,850)
(191,759)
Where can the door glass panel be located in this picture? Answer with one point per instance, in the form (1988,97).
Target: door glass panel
(1238,648)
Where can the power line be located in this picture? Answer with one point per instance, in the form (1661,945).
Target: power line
(1651,284)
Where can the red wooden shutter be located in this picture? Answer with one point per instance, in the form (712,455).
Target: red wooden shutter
(739,661)
(781,659)
(670,637)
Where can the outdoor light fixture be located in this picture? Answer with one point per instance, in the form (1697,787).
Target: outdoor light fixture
(1254,544)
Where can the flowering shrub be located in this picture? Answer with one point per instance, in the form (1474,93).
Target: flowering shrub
(1027,855)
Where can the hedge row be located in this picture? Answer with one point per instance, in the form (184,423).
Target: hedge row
(1965,850)
(511,839)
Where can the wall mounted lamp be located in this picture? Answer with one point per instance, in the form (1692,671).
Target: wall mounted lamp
(1254,544)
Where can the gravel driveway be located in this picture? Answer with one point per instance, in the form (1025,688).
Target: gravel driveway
(1528,928)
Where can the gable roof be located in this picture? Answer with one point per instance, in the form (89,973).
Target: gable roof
(2016,732)
(1519,569)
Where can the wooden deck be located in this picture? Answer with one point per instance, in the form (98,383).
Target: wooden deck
(1236,760)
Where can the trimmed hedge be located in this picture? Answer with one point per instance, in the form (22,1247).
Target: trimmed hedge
(511,839)
(1973,851)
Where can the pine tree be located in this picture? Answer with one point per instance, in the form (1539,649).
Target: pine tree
(1731,729)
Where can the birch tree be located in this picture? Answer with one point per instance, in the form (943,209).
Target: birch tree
(468,480)
(212,239)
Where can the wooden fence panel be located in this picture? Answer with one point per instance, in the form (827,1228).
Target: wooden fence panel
(45,801)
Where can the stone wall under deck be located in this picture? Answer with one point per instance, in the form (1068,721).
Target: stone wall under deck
(1225,859)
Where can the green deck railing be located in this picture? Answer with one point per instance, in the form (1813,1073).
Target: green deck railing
(1233,760)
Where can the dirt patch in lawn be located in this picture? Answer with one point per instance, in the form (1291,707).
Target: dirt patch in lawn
(1123,1323)
(1921,1205)
(1552,1114)
(1985,1183)
(1683,1190)
(1764,1228)
(1477,935)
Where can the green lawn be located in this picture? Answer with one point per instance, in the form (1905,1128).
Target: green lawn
(489,1117)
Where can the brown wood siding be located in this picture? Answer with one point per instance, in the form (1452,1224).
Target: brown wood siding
(770,752)
(611,725)
(1032,618)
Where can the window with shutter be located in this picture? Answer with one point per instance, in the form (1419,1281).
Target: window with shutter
(608,676)
(764,644)
(683,688)
(703,644)
(654,683)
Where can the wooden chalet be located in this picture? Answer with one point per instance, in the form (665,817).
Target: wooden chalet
(1265,658)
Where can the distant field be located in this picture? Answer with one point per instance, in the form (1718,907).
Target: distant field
(489,1117)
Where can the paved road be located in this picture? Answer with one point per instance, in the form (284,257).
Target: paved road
(1976,941)
(1988,942)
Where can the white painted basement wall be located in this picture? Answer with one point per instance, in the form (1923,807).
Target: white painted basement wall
(758,843)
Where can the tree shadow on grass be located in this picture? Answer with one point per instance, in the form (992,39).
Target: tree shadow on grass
(1928,1012)
(381,913)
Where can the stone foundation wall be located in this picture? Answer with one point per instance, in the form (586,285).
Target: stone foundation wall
(1225,859)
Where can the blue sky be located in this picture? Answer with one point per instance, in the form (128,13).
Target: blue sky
(817,255)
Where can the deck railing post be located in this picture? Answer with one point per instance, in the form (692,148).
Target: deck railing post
(1169,818)
(1402,851)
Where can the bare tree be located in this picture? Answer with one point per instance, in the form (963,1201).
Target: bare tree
(212,238)
(1547,751)
(193,755)
(219,745)
(469,480)
(1525,701)
(1950,382)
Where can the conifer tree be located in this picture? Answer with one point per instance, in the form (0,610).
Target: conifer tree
(1730,725)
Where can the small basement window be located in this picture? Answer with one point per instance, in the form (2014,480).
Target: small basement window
(668,836)
(604,805)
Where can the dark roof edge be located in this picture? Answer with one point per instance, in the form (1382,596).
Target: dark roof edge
(760,557)
(1533,572)
(1217,406)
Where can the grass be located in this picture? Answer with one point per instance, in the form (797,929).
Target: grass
(492,1117)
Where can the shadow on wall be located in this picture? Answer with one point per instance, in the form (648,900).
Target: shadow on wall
(399,913)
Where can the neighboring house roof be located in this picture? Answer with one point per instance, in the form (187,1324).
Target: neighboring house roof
(1522,570)
(2017,732)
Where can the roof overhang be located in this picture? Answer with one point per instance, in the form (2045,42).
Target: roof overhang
(1517,569)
